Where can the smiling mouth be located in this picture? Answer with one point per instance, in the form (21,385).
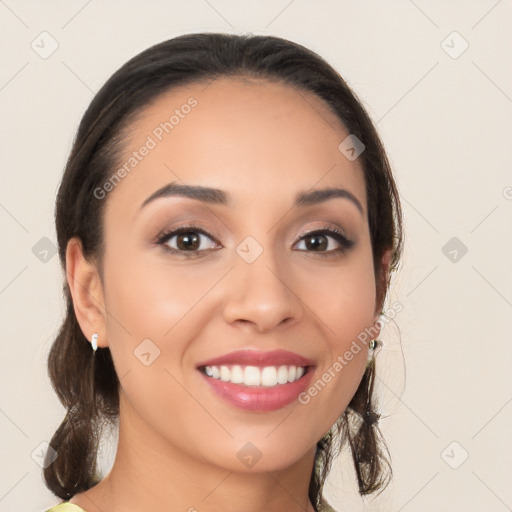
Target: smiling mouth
(246,375)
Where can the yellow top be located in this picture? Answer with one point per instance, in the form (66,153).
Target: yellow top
(65,507)
(71,507)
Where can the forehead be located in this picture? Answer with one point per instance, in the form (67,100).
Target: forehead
(260,140)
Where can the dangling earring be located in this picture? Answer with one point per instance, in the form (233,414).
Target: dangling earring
(373,345)
(94,342)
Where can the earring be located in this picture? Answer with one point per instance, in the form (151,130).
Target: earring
(94,341)
(374,344)
(371,353)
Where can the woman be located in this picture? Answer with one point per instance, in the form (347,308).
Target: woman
(228,224)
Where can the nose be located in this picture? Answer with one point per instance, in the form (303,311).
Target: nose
(261,296)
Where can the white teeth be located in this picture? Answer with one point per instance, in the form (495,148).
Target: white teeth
(269,376)
(282,374)
(224,373)
(254,376)
(237,374)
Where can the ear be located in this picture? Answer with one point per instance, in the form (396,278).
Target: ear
(385,263)
(87,292)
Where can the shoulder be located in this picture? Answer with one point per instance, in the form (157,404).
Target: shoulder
(65,507)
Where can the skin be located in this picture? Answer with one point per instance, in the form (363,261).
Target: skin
(263,143)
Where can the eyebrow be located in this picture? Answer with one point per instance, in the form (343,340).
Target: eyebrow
(220,197)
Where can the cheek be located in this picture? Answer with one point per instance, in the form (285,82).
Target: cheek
(346,308)
(151,299)
(155,312)
(344,299)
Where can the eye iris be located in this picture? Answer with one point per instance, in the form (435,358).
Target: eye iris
(315,244)
(190,241)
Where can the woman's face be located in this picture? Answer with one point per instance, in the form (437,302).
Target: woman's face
(245,277)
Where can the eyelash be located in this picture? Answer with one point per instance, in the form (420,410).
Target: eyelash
(345,243)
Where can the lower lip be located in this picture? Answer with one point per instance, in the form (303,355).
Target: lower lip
(259,398)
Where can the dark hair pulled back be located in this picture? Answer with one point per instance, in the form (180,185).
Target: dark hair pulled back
(88,386)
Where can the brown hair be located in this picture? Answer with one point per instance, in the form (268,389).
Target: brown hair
(87,385)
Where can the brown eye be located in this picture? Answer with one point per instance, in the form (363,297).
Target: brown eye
(316,242)
(186,241)
(319,242)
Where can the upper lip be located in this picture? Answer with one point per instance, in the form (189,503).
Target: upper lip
(257,358)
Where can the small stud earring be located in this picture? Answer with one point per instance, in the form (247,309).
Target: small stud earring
(374,344)
(94,341)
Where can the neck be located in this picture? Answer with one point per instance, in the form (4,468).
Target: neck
(150,473)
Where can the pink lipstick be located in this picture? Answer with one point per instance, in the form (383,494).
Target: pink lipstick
(258,381)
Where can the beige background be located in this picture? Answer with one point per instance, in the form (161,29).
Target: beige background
(444,376)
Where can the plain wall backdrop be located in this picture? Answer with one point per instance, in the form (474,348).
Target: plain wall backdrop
(436,78)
